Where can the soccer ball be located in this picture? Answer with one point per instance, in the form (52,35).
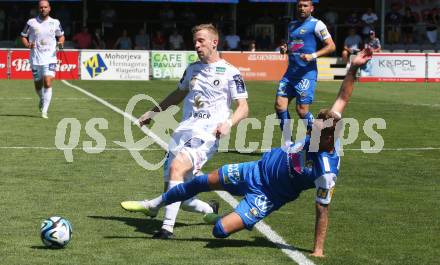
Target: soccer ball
(56,232)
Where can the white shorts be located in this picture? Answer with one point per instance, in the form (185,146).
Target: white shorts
(40,71)
(197,147)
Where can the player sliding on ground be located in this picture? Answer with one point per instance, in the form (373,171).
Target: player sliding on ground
(278,177)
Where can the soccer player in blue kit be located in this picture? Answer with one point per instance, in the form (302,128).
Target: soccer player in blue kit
(299,80)
(279,176)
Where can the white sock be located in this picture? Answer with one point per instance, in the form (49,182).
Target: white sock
(47,97)
(196,206)
(171,210)
(156,202)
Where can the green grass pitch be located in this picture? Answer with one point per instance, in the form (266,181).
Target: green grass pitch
(385,209)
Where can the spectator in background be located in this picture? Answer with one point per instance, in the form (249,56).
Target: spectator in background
(252,46)
(263,41)
(281,44)
(83,39)
(123,42)
(97,40)
(393,20)
(175,41)
(431,26)
(408,22)
(373,42)
(159,41)
(232,42)
(142,41)
(369,20)
(352,45)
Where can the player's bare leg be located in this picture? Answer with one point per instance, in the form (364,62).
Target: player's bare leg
(304,113)
(39,90)
(231,223)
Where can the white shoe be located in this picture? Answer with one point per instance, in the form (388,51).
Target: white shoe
(44,115)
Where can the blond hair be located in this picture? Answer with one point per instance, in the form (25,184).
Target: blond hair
(209,27)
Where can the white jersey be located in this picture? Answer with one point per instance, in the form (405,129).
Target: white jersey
(212,87)
(43,33)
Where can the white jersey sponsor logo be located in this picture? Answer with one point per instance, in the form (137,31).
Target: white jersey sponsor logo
(212,87)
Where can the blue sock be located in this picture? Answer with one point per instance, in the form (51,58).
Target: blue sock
(309,117)
(283,116)
(186,190)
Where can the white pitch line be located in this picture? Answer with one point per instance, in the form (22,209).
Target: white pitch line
(290,251)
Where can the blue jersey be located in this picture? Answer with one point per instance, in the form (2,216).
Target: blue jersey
(286,173)
(303,37)
(279,177)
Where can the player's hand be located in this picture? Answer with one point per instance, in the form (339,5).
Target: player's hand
(31,45)
(223,129)
(145,119)
(283,48)
(362,58)
(306,57)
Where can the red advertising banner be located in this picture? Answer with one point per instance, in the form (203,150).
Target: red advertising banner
(269,66)
(3,64)
(67,66)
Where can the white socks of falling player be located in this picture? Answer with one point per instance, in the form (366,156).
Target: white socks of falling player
(171,210)
(47,97)
(196,206)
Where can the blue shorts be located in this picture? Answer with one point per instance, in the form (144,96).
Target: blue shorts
(244,180)
(301,89)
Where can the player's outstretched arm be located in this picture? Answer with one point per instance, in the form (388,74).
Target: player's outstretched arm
(321,224)
(172,99)
(241,112)
(348,84)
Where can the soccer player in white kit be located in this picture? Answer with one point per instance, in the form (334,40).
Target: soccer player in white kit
(208,88)
(40,36)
